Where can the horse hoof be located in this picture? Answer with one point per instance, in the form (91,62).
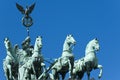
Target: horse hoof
(99,77)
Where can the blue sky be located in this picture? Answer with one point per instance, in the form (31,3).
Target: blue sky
(54,19)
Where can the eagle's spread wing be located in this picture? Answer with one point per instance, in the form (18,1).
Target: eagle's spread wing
(31,8)
(20,8)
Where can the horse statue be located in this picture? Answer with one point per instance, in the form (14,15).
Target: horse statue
(65,63)
(10,63)
(89,62)
(34,67)
(37,58)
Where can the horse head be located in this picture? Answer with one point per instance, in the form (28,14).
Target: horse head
(70,40)
(93,45)
(38,42)
(69,44)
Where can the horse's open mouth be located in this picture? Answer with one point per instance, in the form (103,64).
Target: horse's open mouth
(97,49)
(40,46)
(74,43)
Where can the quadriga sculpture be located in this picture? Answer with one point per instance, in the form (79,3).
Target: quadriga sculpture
(10,63)
(66,61)
(89,62)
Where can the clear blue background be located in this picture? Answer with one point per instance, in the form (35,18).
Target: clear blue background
(54,19)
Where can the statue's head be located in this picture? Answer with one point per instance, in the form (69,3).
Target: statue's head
(28,39)
(27,9)
(70,39)
(26,42)
(7,43)
(94,44)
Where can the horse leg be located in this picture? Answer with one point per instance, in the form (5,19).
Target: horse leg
(70,69)
(80,75)
(71,65)
(6,70)
(7,74)
(88,74)
(51,76)
(10,72)
(100,74)
(27,74)
(55,74)
(63,76)
(74,75)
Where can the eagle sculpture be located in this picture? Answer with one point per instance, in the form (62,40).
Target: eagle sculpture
(26,11)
